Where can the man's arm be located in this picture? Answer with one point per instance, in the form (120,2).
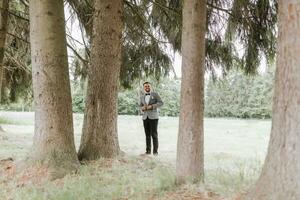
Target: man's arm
(158,103)
(142,107)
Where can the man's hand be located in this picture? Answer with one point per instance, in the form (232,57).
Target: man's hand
(149,107)
(144,108)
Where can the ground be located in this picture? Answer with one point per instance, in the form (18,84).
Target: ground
(234,152)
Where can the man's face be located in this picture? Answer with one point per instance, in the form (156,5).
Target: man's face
(147,87)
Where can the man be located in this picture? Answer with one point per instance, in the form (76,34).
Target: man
(149,104)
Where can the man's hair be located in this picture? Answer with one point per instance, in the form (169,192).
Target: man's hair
(146,83)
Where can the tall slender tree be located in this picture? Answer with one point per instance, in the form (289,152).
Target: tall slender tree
(280,177)
(53,142)
(4,4)
(190,155)
(100,136)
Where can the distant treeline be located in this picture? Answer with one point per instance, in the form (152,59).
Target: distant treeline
(236,95)
(168,89)
(241,96)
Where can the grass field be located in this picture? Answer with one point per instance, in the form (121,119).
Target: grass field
(234,152)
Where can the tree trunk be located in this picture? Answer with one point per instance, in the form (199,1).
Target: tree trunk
(190,156)
(280,177)
(100,137)
(4,4)
(53,142)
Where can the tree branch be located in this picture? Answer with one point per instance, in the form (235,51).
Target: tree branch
(25,3)
(77,54)
(141,18)
(218,8)
(74,39)
(83,39)
(18,16)
(165,7)
(19,38)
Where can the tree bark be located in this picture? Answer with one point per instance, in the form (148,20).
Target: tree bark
(53,142)
(100,137)
(280,177)
(190,156)
(4,4)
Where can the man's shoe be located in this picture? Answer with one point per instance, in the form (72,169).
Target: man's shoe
(155,154)
(145,154)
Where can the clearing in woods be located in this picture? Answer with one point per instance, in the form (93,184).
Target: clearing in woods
(234,152)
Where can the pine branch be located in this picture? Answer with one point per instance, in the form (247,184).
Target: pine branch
(77,54)
(141,18)
(25,3)
(17,37)
(221,9)
(84,42)
(16,61)
(18,16)
(74,39)
(165,7)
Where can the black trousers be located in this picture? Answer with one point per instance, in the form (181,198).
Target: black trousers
(150,126)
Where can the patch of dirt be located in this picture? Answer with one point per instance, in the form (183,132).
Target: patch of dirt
(186,192)
(33,175)
(194,196)
(7,169)
(106,163)
(36,175)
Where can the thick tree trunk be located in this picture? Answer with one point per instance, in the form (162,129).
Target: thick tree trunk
(53,142)
(280,178)
(100,137)
(4,4)
(190,156)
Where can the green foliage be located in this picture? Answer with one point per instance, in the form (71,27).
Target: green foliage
(143,50)
(19,106)
(128,102)
(78,97)
(236,95)
(240,96)
(78,103)
(128,99)
(166,16)
(151,28)
(168,89)
(17,68)
(254,25)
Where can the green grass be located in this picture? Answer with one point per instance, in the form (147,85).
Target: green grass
(4,120)
(234,179)
(234,153)
(126,178)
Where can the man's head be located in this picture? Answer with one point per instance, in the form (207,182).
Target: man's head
(147,87)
